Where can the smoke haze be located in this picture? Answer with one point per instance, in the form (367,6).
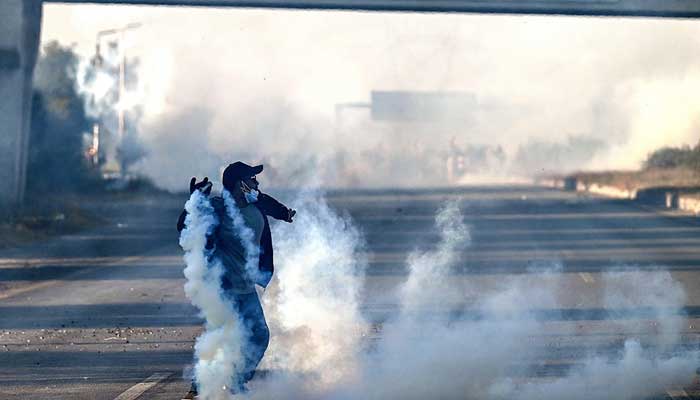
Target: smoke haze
(260,85)
(484,348)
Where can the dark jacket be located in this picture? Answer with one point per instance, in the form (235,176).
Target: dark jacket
(268,206)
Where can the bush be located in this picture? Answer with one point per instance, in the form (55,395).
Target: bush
(55,161)
(673,157)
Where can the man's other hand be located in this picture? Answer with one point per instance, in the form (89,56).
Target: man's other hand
(204,186)
(291,215)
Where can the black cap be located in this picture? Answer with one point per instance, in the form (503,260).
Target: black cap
(237,171)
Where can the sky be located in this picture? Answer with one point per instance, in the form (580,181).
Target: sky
(262,85)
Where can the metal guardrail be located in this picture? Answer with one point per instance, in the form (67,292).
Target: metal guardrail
(639,8)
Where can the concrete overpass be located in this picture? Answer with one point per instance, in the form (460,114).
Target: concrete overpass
(20,25)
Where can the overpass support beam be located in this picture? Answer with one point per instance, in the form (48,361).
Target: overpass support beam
(20,28)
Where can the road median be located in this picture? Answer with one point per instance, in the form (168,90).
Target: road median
(670,189)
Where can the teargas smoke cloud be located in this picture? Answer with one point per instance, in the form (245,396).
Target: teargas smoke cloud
(217,350)
(449,340)
(476,357)
(313,306)
(556,93)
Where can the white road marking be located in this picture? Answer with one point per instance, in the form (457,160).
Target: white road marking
(677,394)
(140,388)
(588,278)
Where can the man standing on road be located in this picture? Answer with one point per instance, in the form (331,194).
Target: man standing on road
(238,282)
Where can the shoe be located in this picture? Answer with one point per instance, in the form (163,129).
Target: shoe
(191,395)
(237,389)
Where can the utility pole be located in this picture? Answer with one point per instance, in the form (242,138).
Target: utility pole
(98,60)
(122,66)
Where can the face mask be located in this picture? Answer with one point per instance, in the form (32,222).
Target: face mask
(251,195)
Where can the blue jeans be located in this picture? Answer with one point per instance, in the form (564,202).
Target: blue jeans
(255,331)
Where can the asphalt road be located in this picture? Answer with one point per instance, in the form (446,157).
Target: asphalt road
(102,314)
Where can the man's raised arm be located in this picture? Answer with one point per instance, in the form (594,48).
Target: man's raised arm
(269,206)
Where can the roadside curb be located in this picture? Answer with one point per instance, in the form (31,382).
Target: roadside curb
(685,199)
(668,202)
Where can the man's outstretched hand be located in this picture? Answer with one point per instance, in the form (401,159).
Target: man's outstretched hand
(204,186)
(291,215)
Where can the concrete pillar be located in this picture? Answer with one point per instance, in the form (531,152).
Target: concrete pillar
(20,29)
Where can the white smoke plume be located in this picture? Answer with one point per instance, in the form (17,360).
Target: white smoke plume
(638,372)
(429,271)
(635,375)
(218,349)
(456,359)
(425,353)
(482,349)
(313,307)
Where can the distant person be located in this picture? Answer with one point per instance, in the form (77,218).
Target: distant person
(239,179)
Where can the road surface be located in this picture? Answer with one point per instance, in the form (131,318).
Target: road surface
(102,314)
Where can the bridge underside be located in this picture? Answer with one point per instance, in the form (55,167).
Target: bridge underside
(640,8)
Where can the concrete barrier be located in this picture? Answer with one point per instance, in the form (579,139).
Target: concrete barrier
(671,200)
(554,183)
(570,183)
(690,203)
(662,196)
(681,198)
(611,191)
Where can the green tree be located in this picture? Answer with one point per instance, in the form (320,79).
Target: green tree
(59,121)
(671,157)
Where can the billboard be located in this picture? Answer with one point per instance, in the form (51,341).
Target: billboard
(422,106)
